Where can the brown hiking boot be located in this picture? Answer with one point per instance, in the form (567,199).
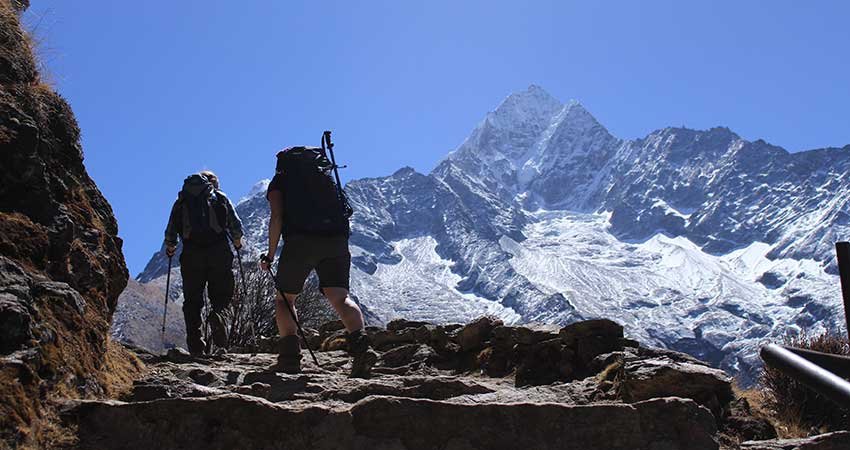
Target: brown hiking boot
(363,357)
(219,332)
(289,355)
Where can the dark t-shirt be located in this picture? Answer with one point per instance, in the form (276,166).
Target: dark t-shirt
(275,185)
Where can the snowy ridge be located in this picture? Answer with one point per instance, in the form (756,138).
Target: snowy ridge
(696,240)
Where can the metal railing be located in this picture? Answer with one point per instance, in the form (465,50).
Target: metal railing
(824,373)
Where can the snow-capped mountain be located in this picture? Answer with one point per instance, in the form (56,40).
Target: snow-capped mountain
(696,240)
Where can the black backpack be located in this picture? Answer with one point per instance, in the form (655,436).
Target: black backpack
(203,210)
(313,203)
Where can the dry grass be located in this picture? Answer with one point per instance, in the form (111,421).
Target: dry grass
(36,34)
(761,407)
(49,431)
(121,367)
(796,410)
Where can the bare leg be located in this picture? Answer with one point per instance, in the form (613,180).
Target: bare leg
(285,325)
(346,309)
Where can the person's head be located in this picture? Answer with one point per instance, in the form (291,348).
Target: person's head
(212,177)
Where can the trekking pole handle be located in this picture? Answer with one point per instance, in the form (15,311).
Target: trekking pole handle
(326,139)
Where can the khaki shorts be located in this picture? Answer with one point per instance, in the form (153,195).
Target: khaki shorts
(327,255)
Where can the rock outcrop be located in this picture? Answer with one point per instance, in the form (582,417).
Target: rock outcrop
(582,386)
(61,265)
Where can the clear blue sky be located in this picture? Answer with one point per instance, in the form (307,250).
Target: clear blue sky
(164,88)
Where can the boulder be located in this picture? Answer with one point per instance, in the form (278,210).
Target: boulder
(739,423)
(385,339)
(591,338)
(329,328)
(496,361)
(401,324)
(532,334)
(662,377)
(15,324)
(439,339)
(406,354)
(473,335)
(544,363)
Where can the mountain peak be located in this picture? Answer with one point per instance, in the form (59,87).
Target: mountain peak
(404,171)
(258,188)
(531,105)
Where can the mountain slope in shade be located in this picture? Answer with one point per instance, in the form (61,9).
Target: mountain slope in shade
(698,240)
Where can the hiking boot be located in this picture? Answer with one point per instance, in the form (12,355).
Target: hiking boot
(219,332)
(289,355)
(363,357)
(196,344)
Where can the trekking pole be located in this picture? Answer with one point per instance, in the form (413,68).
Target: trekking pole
(326,143)
(292,314)
(165,308)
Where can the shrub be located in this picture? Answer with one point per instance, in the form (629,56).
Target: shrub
(252,313)
(798,408)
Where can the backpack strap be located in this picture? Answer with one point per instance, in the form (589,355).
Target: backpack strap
(217,222)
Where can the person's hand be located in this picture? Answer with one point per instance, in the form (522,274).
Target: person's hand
(237,243)
(170,250)
(266,261)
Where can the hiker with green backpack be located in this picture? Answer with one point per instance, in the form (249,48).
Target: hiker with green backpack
(310,211)
(205,220)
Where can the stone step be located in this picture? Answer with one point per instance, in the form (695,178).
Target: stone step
(380,422)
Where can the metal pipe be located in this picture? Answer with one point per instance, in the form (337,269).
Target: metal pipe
(837,364)
(810,374)
(842,250)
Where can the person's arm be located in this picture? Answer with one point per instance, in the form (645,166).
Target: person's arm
(172,230)
(275,198)
(234,224)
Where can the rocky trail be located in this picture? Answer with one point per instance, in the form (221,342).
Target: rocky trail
(481,386)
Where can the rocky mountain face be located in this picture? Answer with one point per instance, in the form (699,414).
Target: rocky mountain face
(698,241)
(61,266)
(481,385)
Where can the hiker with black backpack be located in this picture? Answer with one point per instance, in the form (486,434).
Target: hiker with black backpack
(204,219)
(309,210)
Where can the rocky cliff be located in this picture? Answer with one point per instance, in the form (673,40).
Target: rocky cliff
(61,266)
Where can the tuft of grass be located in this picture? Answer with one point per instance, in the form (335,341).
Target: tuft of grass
(120,368)
(797,410)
